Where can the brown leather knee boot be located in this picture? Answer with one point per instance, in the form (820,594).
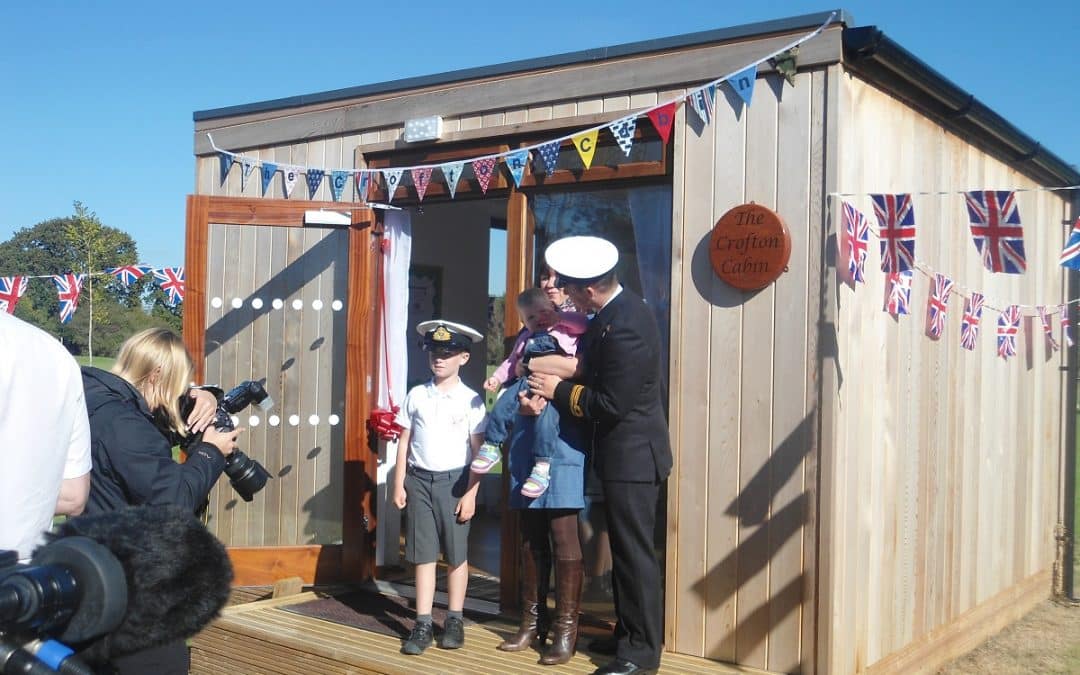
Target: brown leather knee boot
(568,577)
(535,582)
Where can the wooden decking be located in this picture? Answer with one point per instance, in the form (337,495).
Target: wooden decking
(259,637)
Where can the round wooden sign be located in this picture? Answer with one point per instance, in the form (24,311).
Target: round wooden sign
(750,247)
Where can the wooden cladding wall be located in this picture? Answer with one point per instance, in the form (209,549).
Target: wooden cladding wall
(943,480)
(299,348)
(744,409)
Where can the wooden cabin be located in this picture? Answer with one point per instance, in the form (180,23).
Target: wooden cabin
(849,495)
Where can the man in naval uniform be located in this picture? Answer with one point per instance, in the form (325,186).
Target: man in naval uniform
(619,397)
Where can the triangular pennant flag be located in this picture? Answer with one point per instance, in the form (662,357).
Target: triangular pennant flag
(314,178)
(128,274)
(421,178)
(1066,325)
(247,164)
(662,118)
(338,181)
(549,152)
(856,241)
(1048,330)
(1008,328)
(11,289)
(268,171)
(623,131)
(68,287)
(452,171)
(937,304)
(586,146)
(392,178)
(996,228)
(171,280)
(363,182)
(969,327)
(896,230)
(483,169)
(517,161)
(1070,255)
(289,175)
(226,164)
(784,62)
(899,293)
(698,100)
(743,83)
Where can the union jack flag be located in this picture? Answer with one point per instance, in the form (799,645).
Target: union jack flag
(896,229)
(171,280)
(1066,324)
(1008,328)
(1048,330)
(969,327)
(128,274)
(1070,255)
(856,239)
(937,304)
(11,289)
(995,226)
(899,293)
(68,287)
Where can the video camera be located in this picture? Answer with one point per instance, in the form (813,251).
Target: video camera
(245,474)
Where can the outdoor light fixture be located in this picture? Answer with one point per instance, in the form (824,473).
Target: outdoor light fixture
(423,129)
(324,217)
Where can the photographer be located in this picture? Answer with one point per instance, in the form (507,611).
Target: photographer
(135,421)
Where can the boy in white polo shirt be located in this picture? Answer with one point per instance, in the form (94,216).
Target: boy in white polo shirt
(442,425)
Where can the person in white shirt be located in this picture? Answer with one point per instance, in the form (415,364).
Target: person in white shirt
(45,464)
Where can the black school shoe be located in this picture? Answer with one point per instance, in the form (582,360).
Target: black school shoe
(453,635)
(419,639)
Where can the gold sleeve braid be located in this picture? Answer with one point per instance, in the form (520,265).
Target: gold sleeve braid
(575,401)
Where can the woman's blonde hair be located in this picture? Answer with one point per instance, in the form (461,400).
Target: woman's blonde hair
(162,351)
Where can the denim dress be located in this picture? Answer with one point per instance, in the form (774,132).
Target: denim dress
(567,488)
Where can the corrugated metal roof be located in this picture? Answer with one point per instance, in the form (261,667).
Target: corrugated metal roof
(795,23)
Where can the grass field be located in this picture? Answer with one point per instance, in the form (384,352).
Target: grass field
(103,362)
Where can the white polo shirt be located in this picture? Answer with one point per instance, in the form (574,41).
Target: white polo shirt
(440,425)
(43,428)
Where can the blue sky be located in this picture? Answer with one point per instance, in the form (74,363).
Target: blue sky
(98,96)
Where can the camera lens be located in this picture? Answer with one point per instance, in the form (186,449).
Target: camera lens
(245,474)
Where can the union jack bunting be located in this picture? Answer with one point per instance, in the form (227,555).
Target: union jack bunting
(896,230)
(1066,326)
(68,287)
(1048,330)
(856,239)
(937,304)
(128,274)
(1008,328)
(995,226)
(171,280)
(969,327)
(1070,255)
(11,289)
(899,293)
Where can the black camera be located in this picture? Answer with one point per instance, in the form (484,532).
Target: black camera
(245,474)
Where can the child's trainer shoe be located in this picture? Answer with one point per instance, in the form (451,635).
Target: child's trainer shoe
(486,458)
(453,636)
(537,482)
(419,639)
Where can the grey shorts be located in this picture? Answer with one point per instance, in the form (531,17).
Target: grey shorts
(430,523)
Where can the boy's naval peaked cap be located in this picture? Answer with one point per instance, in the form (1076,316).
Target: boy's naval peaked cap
(447,335)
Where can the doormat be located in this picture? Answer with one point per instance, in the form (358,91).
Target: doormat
(369,610)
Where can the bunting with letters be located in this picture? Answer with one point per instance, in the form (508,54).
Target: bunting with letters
(743,83)
(268,170)
(623,131)
(338,181)
(516,163)
(586,146)
(391,178)
(248,165)
(549,152)
(289,176)
(1007,330)
(11,289)
(421,178)
(314,179)
(452,171)
(663,118)
(484,169)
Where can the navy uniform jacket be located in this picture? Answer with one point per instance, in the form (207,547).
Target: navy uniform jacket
(620,395)
(132,456)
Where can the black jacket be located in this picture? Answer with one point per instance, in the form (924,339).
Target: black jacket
(132,456)
(620,394)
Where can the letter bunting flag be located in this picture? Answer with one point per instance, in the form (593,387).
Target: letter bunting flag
(663,118)
(248,164)
(517,162)
(995,226)
(268,170)
(623,131)
(391,177)
(338,181)
(1008,327)
(421,178)
(483,169)
(452,171)
(11,289)
(937,304)
(969,328)
(899,293)
(896,220)
(743,84)
(586,146)
(314,179)
(289,176)
(549,152)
